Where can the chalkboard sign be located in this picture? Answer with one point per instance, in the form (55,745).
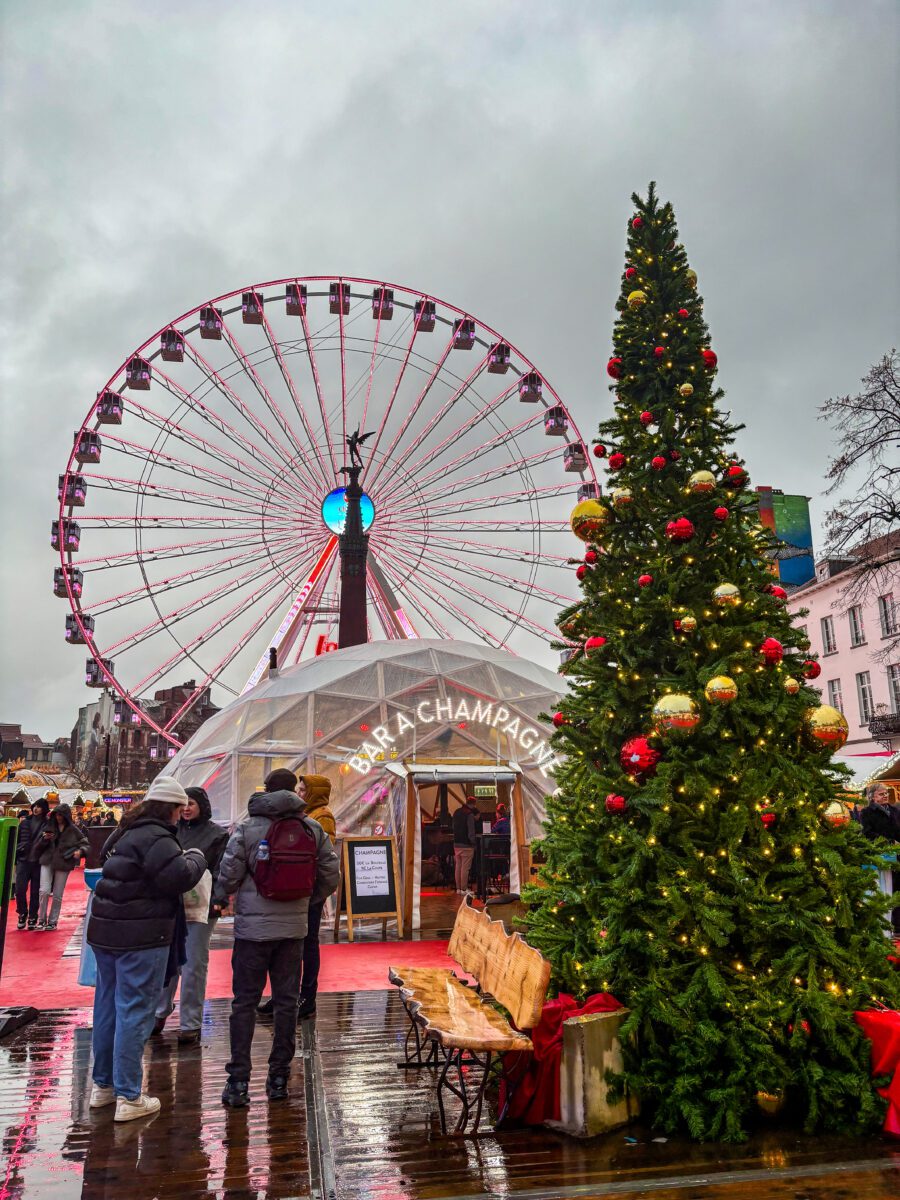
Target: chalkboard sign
(369,885)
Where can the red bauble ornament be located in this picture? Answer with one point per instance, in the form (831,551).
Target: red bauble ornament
(674,455)
(644,580)
(772,651)
(768,817)
(614,368)
(811,669)
(710,358)
(804,1025)
(736,475)
(593,644)
(646,418)
(615,805)
(559,719)
(776,590)
(681,530)
(638,757)
(630,272)
(659,351)
(637,222)
(599,451)
(720,513)
(616,461)
(657,462)
(590,556)
(581,572)
(683,313)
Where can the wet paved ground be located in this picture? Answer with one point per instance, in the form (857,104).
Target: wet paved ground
(371,1132)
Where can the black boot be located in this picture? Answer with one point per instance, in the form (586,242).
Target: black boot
(277,1087)
(236,1094)
(306,1007)
(21,923)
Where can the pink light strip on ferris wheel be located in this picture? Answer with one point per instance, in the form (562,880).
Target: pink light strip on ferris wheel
(415,602)
(343,369)
(410,416)
(166,491)
(314,367)
(393,605)
(291,387)
(288,624)
(467,619)
(362,423)
(390,404)
(213,418)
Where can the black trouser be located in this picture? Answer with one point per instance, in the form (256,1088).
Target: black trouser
(251,962)
(311,956)
(28,872)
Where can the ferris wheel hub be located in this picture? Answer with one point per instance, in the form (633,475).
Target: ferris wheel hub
(334,510)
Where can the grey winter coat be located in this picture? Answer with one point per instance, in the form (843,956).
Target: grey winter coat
(256,918)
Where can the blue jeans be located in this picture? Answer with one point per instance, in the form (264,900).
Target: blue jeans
(128,986)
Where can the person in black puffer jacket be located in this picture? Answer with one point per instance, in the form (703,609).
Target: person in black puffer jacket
(29,848)
(134,911)
(198,830)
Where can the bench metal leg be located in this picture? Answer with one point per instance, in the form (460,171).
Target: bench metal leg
(413,1059)
(457,1059)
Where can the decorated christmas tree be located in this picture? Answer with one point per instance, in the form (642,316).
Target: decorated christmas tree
(699,864)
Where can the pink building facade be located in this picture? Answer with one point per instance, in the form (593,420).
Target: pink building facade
(857,644)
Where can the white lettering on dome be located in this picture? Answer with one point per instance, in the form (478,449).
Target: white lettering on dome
(480,712)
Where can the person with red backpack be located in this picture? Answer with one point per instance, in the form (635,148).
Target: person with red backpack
(277,861)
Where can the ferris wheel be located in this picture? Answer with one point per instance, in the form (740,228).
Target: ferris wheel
(200,508)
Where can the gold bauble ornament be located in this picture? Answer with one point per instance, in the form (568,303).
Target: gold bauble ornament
(721,689)
(726,595)
(688,623)
(837,813)
(621,497)
(637,299)
(770,1103)
(588,520)
(701,482)
(686,389)
(791,685)
(826,726)
(675,715)
(691,277)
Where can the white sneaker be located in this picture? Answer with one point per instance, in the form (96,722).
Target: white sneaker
(101,1097)
(130,1110)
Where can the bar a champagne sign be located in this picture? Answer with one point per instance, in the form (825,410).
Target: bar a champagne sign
(530,740)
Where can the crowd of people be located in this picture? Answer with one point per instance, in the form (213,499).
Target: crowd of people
(48,849)
(169,872)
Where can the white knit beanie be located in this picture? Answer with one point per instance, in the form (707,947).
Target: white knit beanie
(167,791)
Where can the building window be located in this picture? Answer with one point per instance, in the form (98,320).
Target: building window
(857,633)
(864,695)
(887,615)
(828,639)
(893,674)
(835,696)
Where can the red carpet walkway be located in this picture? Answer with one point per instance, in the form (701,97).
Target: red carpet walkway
(37,970)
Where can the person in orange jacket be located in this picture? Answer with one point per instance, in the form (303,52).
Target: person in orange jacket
(316,791)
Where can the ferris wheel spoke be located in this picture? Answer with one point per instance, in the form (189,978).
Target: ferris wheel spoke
(525,587)
(155,554)
(415,601)
(165,621)
(168,522)
(479,415)
(170,426)
(314,367)
(417,404)
(196,404)
(224,663)
(217,626)
(502,526)
(214,378)
(164,461)
(441,474)
(492,550)
(409,514)
(396,388)
(115,483)
(182,579)
(315,464)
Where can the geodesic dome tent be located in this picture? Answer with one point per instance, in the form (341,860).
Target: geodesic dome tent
(370,718)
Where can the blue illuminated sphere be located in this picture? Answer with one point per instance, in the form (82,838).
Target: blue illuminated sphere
(334,510)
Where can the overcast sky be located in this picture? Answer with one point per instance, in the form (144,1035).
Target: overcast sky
(157,154)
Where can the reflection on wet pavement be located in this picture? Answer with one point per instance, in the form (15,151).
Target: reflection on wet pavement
(380,1138)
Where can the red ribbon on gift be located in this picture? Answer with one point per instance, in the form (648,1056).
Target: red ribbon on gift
(535,1088)
(882,1028)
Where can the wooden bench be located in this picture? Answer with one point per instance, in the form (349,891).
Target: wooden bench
(458,1020)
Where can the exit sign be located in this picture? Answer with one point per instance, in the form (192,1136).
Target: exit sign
(482,790)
